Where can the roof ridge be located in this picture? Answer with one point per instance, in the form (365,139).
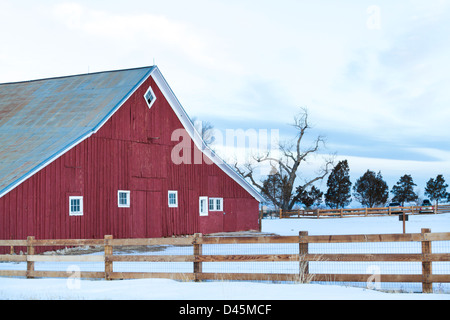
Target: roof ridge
(76,75)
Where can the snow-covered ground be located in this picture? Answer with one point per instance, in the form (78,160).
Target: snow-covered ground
(359,225)
(162,289)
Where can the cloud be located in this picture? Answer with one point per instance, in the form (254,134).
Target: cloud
(136,30)
(393,85)
(436,154)
(70,14)
(393,169)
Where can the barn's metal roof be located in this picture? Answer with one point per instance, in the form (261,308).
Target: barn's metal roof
(40,119)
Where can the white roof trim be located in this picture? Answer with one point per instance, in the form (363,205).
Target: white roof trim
(195,136)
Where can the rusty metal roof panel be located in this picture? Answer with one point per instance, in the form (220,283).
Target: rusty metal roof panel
(40,119)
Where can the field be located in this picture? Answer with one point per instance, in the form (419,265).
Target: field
(161,289)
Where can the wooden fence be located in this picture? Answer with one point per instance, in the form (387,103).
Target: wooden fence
(302,258)
(352,212)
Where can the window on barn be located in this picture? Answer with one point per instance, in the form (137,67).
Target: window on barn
(150,97)
(173,199)
(215,204)
(123,199)
(75,206)
(203,206)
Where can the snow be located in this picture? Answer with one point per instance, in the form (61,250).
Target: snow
(161,289)
(164,289)
(358,225)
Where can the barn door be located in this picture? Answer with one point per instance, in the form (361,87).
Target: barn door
(229,216)
(146,220)
(138,216)
(154,214)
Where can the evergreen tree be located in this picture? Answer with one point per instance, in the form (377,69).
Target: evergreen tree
(339,186)
(436,189)
(371,190)
(309,198)
(404,190)
(273,189)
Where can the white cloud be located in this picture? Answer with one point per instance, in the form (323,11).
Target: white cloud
(393,169)
(136,30)
(70,13)
(439,155)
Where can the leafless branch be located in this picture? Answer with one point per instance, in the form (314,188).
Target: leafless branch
(290,158)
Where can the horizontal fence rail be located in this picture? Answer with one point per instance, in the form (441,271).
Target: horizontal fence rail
(200,256)
(352,212)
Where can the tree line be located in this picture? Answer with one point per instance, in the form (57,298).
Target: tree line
(370,189)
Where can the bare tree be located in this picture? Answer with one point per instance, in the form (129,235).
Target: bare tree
(205,129)
(278,187)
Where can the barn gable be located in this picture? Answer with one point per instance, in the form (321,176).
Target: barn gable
(41,120)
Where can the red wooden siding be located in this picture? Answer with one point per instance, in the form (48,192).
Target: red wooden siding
(132,151)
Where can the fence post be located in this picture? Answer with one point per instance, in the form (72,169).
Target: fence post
(197,252)
(30,251)
(427,285)
(302,252)
(108,252)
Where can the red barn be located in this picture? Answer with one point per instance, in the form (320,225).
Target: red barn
(111,153)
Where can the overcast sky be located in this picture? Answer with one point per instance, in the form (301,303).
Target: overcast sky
(374,75)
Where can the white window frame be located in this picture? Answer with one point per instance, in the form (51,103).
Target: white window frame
(128,202)
(75,213)
(150,90)
(203,213)
(215,206)
(213,202)
(172,205)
